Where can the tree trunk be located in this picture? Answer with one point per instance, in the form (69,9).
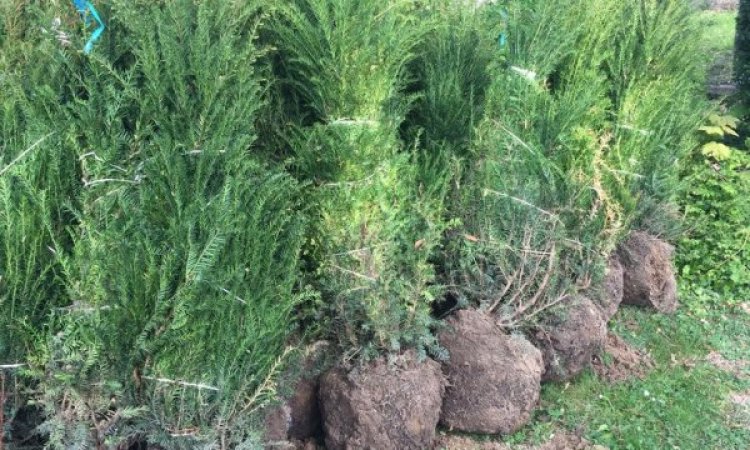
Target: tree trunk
(742,52)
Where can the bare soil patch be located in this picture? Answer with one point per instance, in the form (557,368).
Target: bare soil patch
(609,296)
(740,409)
(622,361)
(740,398)
(738,368)
(723,5)
(297,416)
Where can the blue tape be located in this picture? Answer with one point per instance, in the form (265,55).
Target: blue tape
(87,11)
(502,40)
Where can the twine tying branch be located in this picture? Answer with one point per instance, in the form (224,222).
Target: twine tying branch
(198,386)
(354,122)
(24,153)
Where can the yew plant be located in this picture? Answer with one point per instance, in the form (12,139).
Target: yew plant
(180,256)
(219,180)
(581,133)
(344,64)
(38,183)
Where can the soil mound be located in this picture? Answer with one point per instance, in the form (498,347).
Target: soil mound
(569,338)
(493,378)
(649,278)
(609,296)
(622,362)
(452,442)
(381,405)
(297,417)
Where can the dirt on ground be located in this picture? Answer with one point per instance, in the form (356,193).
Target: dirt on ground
(621,361)
(609,296)
(739,414)
(560,441)
(740,398)
(738,368)
(297,417)
(648,278)
(569,338)
(723,5)
(388,405)
(493,378)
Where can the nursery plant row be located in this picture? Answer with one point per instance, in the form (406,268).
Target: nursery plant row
(202,189)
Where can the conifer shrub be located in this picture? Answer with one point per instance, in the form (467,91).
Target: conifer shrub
(183,267)
(533,212)
(38,184)
(450,75)
(344,63)
(583,127)
(657,93)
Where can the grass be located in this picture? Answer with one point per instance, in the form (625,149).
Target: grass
(682,404)
(718,42)
(718,29)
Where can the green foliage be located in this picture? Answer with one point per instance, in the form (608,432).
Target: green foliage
(83,410)
(38,185)
(715,252)
(181,252)
(543,218)
(657,92)
(581,134)
(345,64)
(450,76)
(345,60)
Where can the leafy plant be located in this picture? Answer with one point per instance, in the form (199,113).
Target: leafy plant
(450,75)
(575,148)
(714,253)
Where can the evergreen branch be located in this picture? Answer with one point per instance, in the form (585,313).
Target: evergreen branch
(24,153)
(198,386)
(553,216)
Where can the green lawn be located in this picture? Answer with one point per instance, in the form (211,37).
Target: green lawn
(718,29)
(683,404)
(718,43)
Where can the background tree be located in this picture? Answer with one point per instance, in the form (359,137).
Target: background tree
(742,51)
